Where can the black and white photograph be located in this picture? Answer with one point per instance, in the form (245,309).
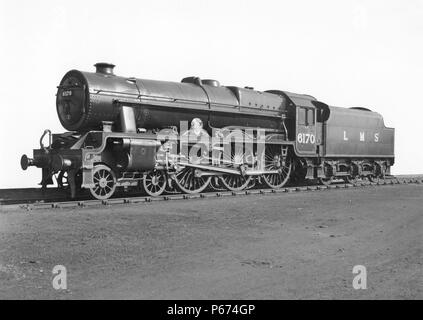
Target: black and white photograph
(211,154)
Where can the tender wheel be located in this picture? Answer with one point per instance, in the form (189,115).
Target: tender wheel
(350,179)
(155,182)
(328,179)
(376,178)
(274,161)
(353,174)
(104,182)
(372,178)
(379,174)
(188,181)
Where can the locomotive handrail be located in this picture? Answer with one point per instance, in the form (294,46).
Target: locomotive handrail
(70,87)
(49,140)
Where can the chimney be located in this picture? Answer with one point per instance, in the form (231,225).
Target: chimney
(104,68)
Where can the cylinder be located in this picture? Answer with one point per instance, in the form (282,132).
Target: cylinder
(137,154)
(60,163)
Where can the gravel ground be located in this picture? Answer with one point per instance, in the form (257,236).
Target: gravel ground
(281,246)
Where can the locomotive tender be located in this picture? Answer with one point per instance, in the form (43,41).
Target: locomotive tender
(132,133)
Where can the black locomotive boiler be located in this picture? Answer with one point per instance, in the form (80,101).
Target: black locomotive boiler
(164,136)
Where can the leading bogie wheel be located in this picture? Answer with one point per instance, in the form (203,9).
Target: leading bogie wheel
(104,182)
(154,182)
(62,180)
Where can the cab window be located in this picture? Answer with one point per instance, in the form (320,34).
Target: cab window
(310,117)
(302,115)
(306,116)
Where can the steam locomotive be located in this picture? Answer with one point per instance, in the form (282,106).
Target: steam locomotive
(161,136)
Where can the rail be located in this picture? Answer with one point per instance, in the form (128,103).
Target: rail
(51,202)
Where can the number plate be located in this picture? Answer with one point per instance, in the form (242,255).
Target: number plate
(306,138)
(67,93)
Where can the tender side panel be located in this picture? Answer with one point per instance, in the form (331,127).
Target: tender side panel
(357,133)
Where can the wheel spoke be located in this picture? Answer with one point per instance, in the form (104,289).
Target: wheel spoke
(189,183)
(235,182)
(154,183)
(273,161)
(104,182)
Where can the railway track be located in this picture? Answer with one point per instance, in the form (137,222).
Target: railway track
(55,199)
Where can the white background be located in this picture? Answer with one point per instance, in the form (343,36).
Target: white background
(345,53)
